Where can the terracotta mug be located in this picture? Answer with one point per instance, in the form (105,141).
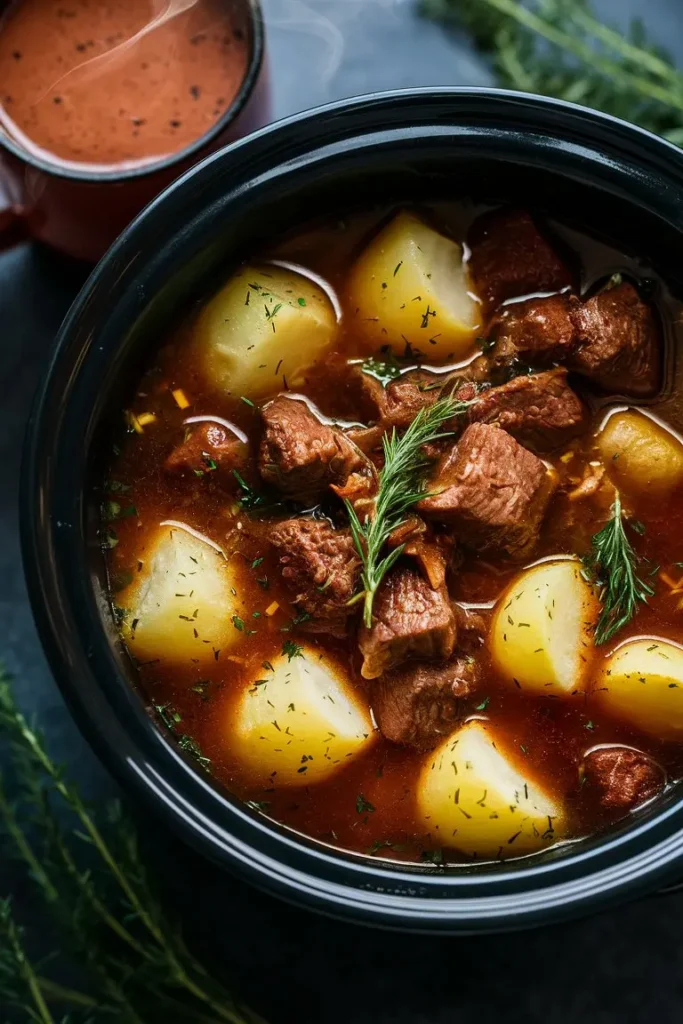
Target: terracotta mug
(80,212)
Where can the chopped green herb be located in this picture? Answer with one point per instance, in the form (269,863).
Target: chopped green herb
(116,487)
(258,805)
(112,510)
(432,857)
(250,498)
(363,806)
(110,539)
(379,844)
(384,370)
(237,622)
(190,744)
(292,650)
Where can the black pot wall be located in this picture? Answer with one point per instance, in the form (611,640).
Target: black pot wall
(606,177)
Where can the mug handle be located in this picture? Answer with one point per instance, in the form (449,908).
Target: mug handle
(13,223)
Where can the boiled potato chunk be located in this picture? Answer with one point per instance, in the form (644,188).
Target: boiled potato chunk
(473,798)
(542,629)
(184,588)
(410,285)
(302,724)
(642,683)
(641,456)
(266,323)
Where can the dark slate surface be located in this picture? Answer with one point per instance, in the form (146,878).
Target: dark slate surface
(622,967)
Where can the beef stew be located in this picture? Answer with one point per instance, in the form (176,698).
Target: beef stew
(493,678)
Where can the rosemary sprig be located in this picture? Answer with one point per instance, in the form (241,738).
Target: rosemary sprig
(559,48)
(401,485)
(134,963)
(613,565)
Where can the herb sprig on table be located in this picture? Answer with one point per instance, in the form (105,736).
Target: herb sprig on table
(559,48)
(401,485)
(132,962)
(613,565)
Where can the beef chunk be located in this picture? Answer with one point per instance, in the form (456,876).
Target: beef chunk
(432,553)
(397,404)
(407,395)
(623,778)
(417,704)
(493,491)
(472,628)
(410,619)
(209,448)
(540,410)
(512,257)
(320,568)
(618,343)
(537,332)
(302,456)
(613,338)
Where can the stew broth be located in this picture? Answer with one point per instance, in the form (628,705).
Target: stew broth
(368,805)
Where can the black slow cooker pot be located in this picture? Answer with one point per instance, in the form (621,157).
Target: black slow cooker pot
(607,177)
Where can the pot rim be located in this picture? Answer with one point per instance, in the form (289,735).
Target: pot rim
(250,78)
(645,855)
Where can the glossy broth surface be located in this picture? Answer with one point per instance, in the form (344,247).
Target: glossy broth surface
(369,805)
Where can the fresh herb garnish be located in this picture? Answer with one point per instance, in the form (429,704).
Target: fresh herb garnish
(237,622)
(484,704)
(363,806)
(401,485)
(292,650)
(432,856)
(295,621)
(613,565)
(249,498)
(112,510)
(384,370)
(258,805)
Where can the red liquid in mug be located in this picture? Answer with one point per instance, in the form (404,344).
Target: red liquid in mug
(116,84)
